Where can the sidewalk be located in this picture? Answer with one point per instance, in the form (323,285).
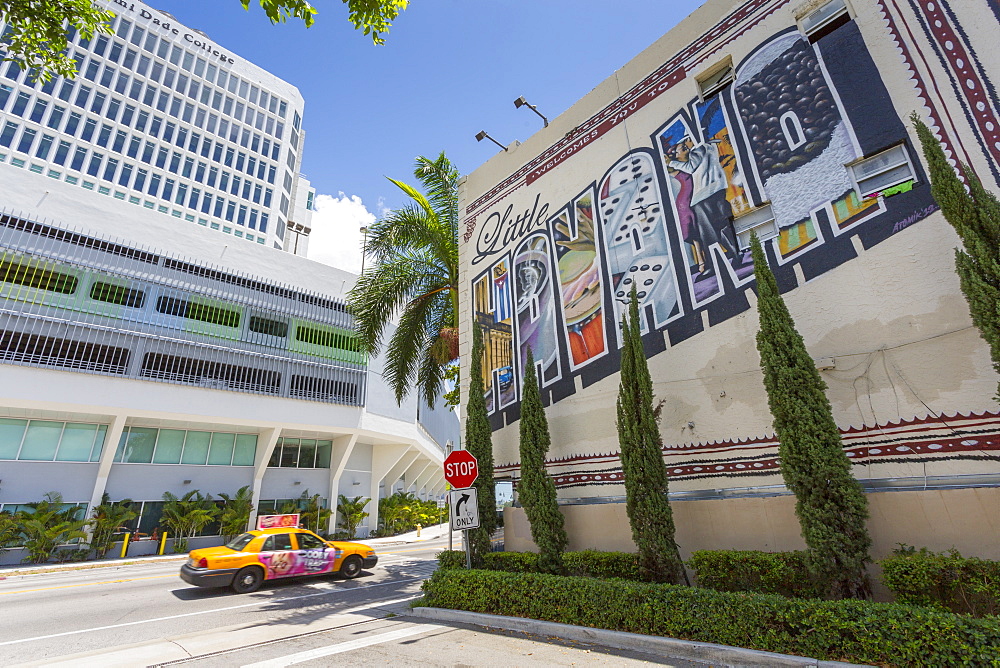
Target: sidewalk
(15,570)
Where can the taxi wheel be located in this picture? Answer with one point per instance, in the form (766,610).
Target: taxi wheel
(248,580)
(351,567)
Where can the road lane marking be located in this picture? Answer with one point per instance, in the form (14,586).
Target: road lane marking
(86,584)
(202,612)
(348,646)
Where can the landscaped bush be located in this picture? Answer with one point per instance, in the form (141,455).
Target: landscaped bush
(782,573)
(850,630)
(585,563)
(946,581)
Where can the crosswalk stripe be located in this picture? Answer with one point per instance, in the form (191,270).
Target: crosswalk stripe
(348,646)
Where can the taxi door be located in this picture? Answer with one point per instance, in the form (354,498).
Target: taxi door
(315,556)
(278,555)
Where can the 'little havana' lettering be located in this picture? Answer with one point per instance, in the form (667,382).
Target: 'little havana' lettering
(499,231)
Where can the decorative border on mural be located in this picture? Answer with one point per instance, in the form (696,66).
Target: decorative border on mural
(662,79)
(972,87)
(933,117)
(930,438)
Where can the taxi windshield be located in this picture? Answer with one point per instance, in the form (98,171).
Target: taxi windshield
(240,542)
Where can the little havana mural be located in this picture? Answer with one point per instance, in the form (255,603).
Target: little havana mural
(770,153)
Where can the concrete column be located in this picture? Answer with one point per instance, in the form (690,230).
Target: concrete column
(419,469)
(343,446)
(400,468)
(425,477)
(111,440)
(384,458)
(269,438)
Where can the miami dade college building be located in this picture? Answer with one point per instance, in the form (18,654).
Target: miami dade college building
(154,334)
(790,120)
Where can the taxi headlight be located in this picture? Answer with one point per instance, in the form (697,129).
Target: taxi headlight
(370,553)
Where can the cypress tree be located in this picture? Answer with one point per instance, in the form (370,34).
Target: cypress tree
(479,442)
(646,500)
(536,490)
(830,504)
(975,215)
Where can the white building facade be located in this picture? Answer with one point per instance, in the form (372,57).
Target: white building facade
(152,339)
(163,118)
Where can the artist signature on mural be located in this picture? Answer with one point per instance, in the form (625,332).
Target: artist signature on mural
(914,217)
(499,231)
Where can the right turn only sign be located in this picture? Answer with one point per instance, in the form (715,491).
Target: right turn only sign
(464,509)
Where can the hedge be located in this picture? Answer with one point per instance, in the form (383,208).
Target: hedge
(585,563)
(782,573)
(945,581)
(850,630)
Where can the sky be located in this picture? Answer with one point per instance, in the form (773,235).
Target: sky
(448,69)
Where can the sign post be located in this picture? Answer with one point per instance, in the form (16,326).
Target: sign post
(461,470)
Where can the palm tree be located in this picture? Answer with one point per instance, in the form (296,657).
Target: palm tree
(10,531)
(352,513)
(414,273)
(106,520)
(48,525)
(187,516)
(313,515)
(236,512)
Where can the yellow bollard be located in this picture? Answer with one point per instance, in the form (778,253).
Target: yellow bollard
(125,544)
(418,530)
(163,543)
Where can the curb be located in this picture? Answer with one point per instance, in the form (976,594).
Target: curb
(663,647)
(8,572)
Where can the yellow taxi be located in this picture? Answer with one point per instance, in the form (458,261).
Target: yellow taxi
(267,554)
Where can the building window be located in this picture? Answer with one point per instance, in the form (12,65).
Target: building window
(824,19)
(882,170)
(761,221)
(302,453)
(715,79)
(43,440)
(144,445)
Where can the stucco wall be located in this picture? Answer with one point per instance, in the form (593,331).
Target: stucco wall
(552,227)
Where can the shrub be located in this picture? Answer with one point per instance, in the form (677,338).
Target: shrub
(946,581)
(846,630)
(585,563)
(785,573)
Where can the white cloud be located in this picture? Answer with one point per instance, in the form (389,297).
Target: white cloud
(336,237)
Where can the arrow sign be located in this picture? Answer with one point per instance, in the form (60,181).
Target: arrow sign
(464,509)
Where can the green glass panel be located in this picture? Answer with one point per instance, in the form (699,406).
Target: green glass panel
(102,435)
(169,446)
(121,445)
(41,440)
(290,453)
(323,449)
(139,445)
(275,460)
(77,442)
(11,433)
(307,454)
(246,450)
(196,447)
(221,452)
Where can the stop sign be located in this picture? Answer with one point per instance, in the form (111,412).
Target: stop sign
(461,469)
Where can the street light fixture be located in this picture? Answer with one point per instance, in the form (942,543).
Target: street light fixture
(364,231)
(481,135)
(521,102)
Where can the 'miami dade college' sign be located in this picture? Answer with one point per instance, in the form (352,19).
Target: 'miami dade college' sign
(198,42)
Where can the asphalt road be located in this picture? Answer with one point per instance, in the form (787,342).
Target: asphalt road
(144,615)
(70,612)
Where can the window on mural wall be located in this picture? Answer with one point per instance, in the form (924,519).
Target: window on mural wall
(882,170)
(820,21)
(719,77)
(759,220)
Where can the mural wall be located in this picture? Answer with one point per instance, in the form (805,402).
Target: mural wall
(667,218)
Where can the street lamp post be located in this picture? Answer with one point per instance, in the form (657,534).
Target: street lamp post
(364,231)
